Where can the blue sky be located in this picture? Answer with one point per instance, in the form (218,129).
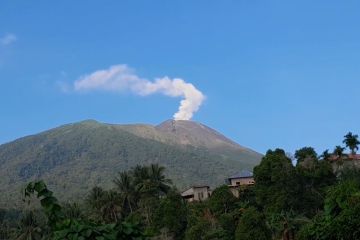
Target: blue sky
(275,73)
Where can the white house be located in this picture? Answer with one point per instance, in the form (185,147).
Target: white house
(196,193)
(242,178)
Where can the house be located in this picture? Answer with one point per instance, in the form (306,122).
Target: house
(348,161)
(242,178)
(196,193)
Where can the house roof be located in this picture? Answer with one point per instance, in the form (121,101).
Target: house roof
(242,174)
(346,157)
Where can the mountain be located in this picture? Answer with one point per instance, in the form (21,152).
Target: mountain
(75,157)
(199,135)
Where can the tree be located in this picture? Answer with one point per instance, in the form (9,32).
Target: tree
(199,230)
(140,174)
(94,197)
(352,142)
(313,182)
(111,207)
(171,215)
(284,225)
(151,180)
(252,226)
(222,200)
(340,219)
(350,174)
(127,191)
(151,183)
(277,186)
(306,157)
(158,179)
(339,152)
(94,201)
(106,204)
(72,211)
(203,225)
(64,228)
(325,155)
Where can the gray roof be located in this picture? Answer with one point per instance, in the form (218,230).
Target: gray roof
(242,174)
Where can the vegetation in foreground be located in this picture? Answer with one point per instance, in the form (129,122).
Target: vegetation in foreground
(306,201)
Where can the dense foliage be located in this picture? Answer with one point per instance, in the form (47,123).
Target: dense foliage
(314,199)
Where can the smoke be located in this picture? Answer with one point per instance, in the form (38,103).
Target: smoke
(120,78)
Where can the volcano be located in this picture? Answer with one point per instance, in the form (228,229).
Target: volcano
(75,157)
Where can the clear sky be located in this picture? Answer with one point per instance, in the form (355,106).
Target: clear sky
(275,73)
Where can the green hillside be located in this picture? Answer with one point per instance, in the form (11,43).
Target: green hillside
(75,157)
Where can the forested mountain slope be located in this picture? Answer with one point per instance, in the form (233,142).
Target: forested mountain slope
(75,157)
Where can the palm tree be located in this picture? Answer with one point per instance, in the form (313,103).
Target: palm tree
(150,179)
(352,142)
(325,155)
(72,211)
(158,179)
(111,207)
(140,174)
(95,197)
(127,190)
(150,182)
(339,152)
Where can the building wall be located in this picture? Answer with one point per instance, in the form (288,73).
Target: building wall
(235,191)
(352,163)
(201,194)
(196,194)
(242,181)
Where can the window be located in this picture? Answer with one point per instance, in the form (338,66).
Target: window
(237,183)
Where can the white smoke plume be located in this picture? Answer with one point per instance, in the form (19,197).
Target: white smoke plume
(122,78)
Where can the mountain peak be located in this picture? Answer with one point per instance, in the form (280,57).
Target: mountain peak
(89,121)
(172,125)
(196,134)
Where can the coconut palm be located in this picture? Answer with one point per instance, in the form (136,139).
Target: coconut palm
(150,182)
(72,211)
(339,152)
(95,197)
(325,155)
(140,174)
(159,179)
(125,185)
(111,207)
(352,142)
